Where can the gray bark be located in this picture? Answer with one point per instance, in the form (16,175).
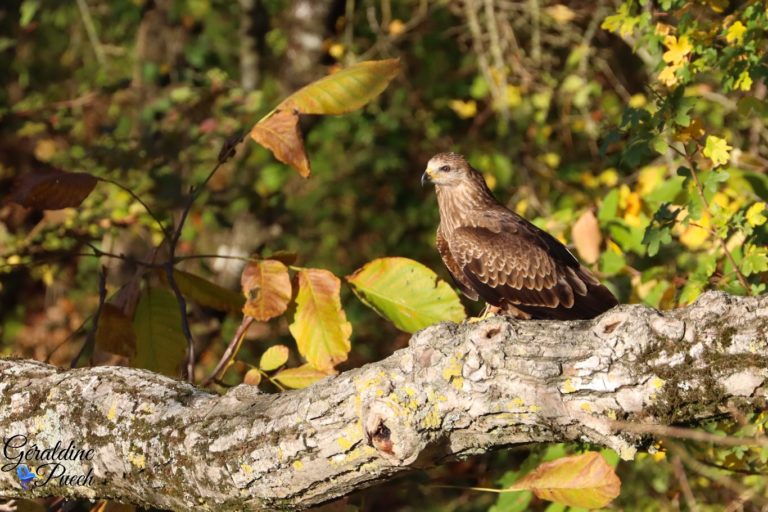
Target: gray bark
(457,390)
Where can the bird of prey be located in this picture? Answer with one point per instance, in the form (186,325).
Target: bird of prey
(495,254)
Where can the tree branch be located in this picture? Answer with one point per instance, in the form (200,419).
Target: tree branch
(457,390)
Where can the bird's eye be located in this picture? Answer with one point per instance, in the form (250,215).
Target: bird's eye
(445,168)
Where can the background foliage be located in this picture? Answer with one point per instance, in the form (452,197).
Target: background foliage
(634,132)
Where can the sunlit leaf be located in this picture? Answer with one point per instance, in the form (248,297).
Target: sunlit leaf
(407,293)
(587,237)
(160,343)
(115,333)
(585,480)
(273,358)
(320,325)
(717,150)
(204,292)
(345,90)
(280,134)
(51,189)
(252,377)
(301,377)
(267,289)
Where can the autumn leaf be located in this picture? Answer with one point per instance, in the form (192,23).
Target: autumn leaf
(204,292)
(320,326)
(252,377)
(51,189)
(735,33)
(678,49)
(755,214)
(280,134)
(344,91)
(585,480)
(587,237)
(267,289)
(273,358)
(115,333)
(717,150)
(301,377)
(407,293)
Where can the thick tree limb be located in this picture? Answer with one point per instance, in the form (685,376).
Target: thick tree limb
(456,390)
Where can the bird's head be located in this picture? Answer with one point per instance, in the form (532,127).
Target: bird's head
(446,169)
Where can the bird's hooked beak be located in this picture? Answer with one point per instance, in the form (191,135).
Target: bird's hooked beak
(427,176)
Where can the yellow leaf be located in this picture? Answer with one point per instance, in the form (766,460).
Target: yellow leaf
(668,77)
(514,96)
(345,90)
(609,177)
(717,150)
(273,358)
(267,289)
(587,237)
(585,480)
(637,100)
(320,325)
(649,178)
(662,29)
(694,236)
(562,14)
(755,216)
(336,51)
(678,49)
(464,109)
(301,377)
(735,33)
(744,82)
(396,27)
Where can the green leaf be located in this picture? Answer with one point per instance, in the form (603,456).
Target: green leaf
(205,293)
(611,263)
(160,343)
(345,90)
(585,480)
(609,206)
(301,377)
(273,358)
(320,326)
(407,293)
(655,237)
(717,150)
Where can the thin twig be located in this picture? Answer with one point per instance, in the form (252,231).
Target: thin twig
(686,433)
(90,28)
(682,478)
(141,202)
(90,339)
(168,267)
(232,349)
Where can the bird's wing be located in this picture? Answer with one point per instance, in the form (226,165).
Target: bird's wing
(514,262)
(456,273)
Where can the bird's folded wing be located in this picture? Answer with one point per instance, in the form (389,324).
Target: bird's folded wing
(517,265)
(453,268)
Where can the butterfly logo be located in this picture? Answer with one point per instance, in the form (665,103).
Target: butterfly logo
(25,476)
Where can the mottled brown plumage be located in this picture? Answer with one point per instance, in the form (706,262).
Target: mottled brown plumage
(495,254)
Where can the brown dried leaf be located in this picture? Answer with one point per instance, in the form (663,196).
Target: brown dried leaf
(281,135)
(51,189)
(587,237)
(252,377)
(267,289)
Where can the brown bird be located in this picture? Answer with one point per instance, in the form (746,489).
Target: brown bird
(495,254)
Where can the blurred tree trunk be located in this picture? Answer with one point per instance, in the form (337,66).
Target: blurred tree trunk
(254,23)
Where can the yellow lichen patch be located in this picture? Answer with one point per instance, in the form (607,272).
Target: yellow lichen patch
(298,465)
(568,387)
(112,414)
(458,383)
(659,456)
(611,414)
(516,403)
(534,408)
(344,443)
(585,407)
(138,460)
(657,383)
(409,391)
(452,369)
(247,469)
